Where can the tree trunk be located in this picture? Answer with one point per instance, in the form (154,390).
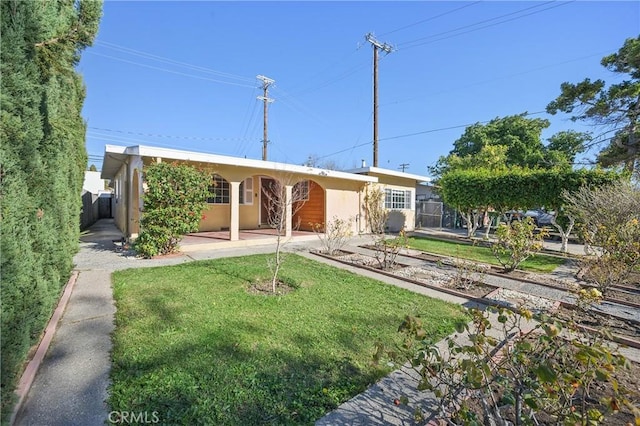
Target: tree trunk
(276,269)
(486,232)
(471,219)
(564,234)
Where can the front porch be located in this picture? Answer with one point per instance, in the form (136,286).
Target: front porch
(246,238)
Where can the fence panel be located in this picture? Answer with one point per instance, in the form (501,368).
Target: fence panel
(429,214)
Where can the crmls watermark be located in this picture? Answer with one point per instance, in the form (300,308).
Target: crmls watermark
(134,417)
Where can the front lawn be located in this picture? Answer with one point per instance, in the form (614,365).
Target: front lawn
(195,347)
(538,263)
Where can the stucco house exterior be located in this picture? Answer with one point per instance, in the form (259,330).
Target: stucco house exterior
(238,201)
(400,195)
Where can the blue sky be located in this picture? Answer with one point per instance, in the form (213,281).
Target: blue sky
(183,74)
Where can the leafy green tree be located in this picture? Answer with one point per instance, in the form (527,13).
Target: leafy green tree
(616,106)
(42,149)
(521,136)
(563,147)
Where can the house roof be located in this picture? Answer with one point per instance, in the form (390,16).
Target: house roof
(387,172)
(115,155)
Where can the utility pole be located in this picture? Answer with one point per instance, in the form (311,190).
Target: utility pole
(266,82)
(387,48)
(404,166)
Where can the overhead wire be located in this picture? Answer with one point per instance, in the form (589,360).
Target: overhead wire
(412,45)
(420,133)
(430,18)
(253,106)
(154,57)
(499,78)
(158,135)
(166,69)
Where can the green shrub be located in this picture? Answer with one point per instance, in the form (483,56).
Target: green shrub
(173,206)
(516,242)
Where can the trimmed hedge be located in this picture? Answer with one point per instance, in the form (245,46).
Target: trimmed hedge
(43,158)
(516,188)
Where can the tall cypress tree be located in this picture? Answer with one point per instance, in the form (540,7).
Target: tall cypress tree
(42,159)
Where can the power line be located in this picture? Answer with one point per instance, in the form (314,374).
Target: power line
(501,77)
(480,28)
(115,58)
(421,133)
(431,18)
(151,56)
(157,135)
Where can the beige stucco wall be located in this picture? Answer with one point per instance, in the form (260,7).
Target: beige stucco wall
(119,198)
(343,197)
(344,201)
(218,216)
(123,203)
(399,218)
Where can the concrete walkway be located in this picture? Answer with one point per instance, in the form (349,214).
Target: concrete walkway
(70,387)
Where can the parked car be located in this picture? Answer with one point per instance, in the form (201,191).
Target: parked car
(540,217)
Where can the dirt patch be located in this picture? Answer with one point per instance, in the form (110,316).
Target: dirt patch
(445,279)
(629,295)
(601,322)
(265,288)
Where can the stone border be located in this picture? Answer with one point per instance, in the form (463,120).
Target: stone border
(29,373)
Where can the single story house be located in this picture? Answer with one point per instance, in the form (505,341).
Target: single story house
(400,195)
(239,188)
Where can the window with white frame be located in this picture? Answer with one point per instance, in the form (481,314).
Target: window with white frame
(301,191)
(246,191)
(397,199)
(219,191)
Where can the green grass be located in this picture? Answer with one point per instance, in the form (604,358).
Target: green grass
(194,346)
(537,263)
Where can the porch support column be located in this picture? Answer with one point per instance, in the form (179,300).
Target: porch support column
(288,210)
(234,226)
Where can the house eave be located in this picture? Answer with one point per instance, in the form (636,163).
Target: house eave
(393,173)
(115,153)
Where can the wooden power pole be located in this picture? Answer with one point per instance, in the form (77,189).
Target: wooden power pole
(387,49)
(266,82)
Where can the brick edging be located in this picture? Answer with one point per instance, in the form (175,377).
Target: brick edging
(29,373)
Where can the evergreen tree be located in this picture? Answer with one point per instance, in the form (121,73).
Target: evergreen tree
(615,107)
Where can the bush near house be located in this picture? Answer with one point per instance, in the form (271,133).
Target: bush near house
(42,138)
(173,206)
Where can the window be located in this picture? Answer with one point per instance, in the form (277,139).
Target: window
(397,199)
(246,191)
(219,191)
(301,191)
